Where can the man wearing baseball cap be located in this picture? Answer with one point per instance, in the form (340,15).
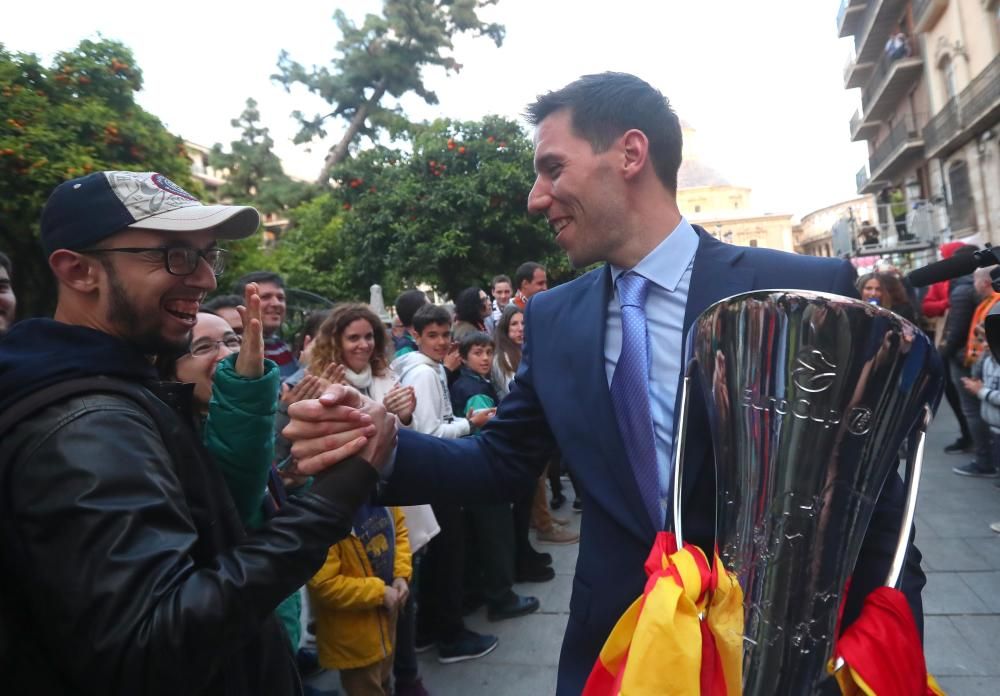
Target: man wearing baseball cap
(124,568)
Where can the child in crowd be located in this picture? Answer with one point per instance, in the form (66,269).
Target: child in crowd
(439,618)
(357,595)
(985,385)
(492,524)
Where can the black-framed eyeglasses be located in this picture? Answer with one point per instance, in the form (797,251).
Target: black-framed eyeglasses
(203,349)
(178,260)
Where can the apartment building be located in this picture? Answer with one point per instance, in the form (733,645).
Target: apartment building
(929,79)
(707,198)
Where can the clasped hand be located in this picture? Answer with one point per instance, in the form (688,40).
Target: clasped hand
(341,423)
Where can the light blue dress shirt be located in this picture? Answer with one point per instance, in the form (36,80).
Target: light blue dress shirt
(668,267)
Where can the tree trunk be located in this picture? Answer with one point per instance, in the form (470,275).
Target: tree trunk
(339,151)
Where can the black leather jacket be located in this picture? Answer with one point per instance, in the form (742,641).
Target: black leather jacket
(125,568)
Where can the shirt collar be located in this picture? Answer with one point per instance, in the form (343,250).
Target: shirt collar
(665,265)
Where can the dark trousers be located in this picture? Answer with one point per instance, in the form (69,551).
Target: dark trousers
(521,513)
(442,578)
(555,475)
(491,557)
(951,394)
(977,426)
(404,665)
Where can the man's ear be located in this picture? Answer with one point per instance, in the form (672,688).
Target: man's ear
(635,148)
(76,271)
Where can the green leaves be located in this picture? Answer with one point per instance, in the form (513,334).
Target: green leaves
(384,55)
(448,210)
(64,121)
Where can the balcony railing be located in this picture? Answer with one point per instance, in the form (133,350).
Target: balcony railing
(861,178)
(874,27)
(943,128)
(904,139)
(862,128)
(891,76)
(960,118)
(849,16)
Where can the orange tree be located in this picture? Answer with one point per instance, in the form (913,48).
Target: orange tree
(65,120)
(447,208)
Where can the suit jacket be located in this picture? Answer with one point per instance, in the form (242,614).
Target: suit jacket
(561,398)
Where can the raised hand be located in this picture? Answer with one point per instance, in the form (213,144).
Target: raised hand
(401,401)
(453,360)
(250,361)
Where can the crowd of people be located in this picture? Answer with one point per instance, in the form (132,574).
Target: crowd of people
(163,531)
(954,312)
(402,579)
(441,370)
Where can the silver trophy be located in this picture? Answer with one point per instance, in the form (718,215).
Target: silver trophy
(810,398)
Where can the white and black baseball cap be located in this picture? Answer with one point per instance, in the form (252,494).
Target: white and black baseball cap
(83,211)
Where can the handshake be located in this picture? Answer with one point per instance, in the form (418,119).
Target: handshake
(341,423)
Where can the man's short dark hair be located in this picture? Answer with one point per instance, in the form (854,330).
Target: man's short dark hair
(407,304)
(525,273)
(602,107)
(6,264)
(500,279)
(222,302)
(430,314)
(240,286)
(471,340)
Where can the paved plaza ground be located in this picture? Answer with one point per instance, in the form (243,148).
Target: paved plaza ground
(961,600)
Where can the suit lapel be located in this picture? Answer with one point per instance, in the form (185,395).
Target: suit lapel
(717,274)
(586,329)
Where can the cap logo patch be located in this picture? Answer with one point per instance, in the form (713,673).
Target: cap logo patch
(148,194)
(167,185)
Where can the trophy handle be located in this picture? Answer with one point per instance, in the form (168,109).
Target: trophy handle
(914,466)
(681,436)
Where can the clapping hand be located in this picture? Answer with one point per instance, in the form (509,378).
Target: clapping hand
(250,361)
(401,401)
(453,360)
(312,386)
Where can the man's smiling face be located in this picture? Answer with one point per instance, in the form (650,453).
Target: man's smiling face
(577,190)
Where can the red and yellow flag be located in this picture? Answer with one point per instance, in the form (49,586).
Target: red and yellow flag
(882,651)
(665,644)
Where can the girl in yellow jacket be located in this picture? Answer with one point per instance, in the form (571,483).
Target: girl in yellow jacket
(357,595)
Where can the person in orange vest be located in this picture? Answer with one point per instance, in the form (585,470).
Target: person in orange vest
(975,345)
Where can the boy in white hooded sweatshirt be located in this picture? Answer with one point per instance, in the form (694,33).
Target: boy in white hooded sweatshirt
(439,612)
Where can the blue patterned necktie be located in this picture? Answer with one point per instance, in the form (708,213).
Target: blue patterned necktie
(630,393)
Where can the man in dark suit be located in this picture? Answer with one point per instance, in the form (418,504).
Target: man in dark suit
(607,151)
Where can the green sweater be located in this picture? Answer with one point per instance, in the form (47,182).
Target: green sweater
(239,432)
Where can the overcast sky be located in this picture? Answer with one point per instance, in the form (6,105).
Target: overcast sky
(761,81)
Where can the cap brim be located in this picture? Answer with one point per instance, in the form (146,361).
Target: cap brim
(227,221)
